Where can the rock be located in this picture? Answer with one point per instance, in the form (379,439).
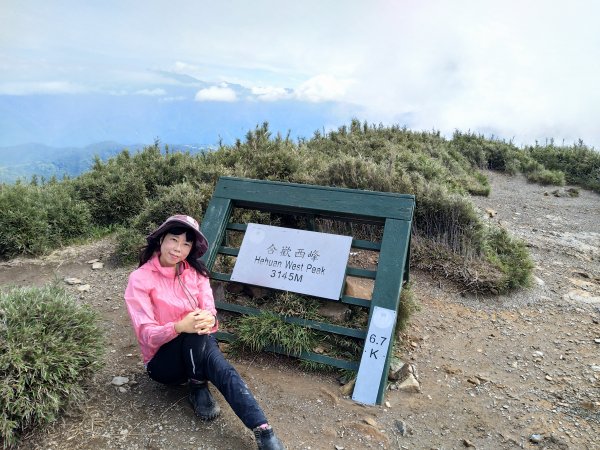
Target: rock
(535,438)
(490,212)
(256,291)
(388,405)
(97,265)
(371,421)
(339,447)
(399,370)
(92,261)
(595,368)
(597,341)
(72,281)
(539,281)
(335,311)
(579,295)
(348,388)
(410,384)
(235,288)
(119,381)
(401,427)
(354,288)
(218,291)
(538,354)
(84,288)
(467,443)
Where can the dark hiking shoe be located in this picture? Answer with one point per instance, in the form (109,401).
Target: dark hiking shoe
(205,406)
(266,439)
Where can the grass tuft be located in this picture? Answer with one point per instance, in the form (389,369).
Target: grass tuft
(49,347)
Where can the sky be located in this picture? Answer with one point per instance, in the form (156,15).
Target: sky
(522,71)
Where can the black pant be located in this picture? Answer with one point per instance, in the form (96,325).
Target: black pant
(197,356)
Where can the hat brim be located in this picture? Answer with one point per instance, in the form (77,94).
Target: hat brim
(201,244)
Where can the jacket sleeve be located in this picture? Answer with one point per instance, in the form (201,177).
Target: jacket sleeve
(151,335)
(206,300)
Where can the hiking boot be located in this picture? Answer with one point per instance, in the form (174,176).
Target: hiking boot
(266,439)
(205,406)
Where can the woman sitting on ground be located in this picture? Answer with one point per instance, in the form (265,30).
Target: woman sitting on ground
(172,309)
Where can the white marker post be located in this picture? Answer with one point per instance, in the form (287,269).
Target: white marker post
(300,261)
(372,363)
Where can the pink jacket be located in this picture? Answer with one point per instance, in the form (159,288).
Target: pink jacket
(156,300)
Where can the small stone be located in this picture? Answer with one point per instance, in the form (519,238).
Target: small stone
(548,377)
(97,266)
(119,381)
(401,427)
(122,389)
(388,405)
(538,354)
(597,341)
(410,384)
(535,438)
(467,443)
(595,368)
(474,381)
(84,288)
(92,261)
(348,387)
(339,447)
(371,421)
(71,280)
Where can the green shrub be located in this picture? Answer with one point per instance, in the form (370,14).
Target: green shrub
(408,306)
(129,242)
(38,218)
(49,347)
(511,256)
(183,198)
(114,191)
(23,225)
(579,163)
(547,177)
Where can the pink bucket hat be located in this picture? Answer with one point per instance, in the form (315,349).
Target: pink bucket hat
(189,222)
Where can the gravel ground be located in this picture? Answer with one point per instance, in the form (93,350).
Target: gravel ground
(518,371)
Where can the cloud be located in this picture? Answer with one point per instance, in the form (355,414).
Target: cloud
(271,94)
(40,87)
(152,92)
(322,88)
(216,94)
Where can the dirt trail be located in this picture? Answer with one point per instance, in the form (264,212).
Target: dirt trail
(521,371)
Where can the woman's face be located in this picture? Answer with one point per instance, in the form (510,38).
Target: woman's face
(174,249)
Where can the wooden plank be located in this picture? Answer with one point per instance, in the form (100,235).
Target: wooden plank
(366,245)
(311,356)
(213,227)
(361,273)
(327,201)
(347,300)
(319,326)
(231,251)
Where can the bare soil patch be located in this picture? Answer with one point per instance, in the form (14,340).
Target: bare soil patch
(518,371)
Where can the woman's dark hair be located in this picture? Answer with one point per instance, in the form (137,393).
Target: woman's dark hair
(153,246)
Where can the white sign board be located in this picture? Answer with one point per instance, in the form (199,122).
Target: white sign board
(300,261)
(374,354)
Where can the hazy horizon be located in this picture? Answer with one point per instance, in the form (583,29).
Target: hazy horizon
(74,73)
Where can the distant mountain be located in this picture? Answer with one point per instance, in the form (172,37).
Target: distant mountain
(23,161)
